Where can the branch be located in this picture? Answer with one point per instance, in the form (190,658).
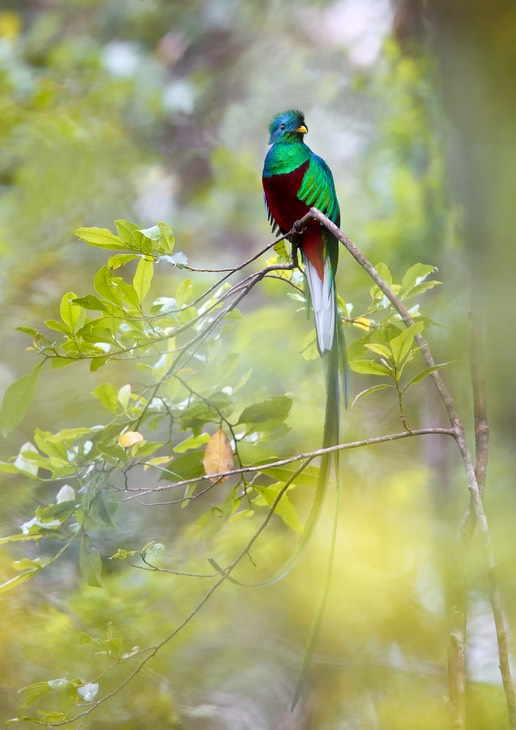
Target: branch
(291,459)
(475,470)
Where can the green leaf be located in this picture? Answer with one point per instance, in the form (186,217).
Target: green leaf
(27,331)
(50,718)
(91,302)
(402,344)
(184,292)
(32,692)
(384,272)
(277,408)
(70,312)
(125,230)
(18,580)
(373,389)
(415,276)
(419,377)
(17,399)
(142,278)
(380,350)
(285,509)
(121,554)
(100,238)
(369,367)
(167,240)
(20,537)
(90,564)
(107,394)
(26,564)
(54,324)
(198,413)
(97,363)
(8,468)
(192,442)
(46,443)
(307,478)
(108,286)
(186,466)
(120,259)
(103,510)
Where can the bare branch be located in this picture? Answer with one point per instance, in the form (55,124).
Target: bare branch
(292,459)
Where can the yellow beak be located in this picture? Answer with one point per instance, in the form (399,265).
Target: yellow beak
(302,129)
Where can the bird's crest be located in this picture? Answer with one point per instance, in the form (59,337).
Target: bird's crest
(288,122)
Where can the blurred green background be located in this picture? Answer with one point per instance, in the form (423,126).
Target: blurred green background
(158,110)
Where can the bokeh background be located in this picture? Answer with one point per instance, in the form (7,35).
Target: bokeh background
(158,110)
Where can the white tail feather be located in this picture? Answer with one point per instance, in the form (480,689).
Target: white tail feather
(323,303)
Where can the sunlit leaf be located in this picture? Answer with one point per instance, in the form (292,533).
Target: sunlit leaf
(70,311)
(91,302)
(369,367)
(107,394)
(402,343)
(100,238)
(379,349)
(18,580)
(284,509)
(414,275)
(120,259)
(369,391)
(122,554)
(17,399)
(125,230)
(184,292)
(143,278)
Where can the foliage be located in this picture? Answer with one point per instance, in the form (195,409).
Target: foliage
(161,420)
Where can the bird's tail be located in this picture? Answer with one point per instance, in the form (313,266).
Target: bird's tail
(334,359)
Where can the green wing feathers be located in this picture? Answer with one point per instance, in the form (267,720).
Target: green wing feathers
(318,189)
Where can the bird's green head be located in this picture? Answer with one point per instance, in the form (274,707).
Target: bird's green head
(287,126)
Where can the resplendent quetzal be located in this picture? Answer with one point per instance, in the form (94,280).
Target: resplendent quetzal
(294,180)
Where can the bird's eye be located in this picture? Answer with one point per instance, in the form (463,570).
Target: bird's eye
(282,126)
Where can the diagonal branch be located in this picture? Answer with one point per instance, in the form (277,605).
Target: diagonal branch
(475,469)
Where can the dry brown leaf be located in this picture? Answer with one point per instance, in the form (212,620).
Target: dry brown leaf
(130,438)
(218,455)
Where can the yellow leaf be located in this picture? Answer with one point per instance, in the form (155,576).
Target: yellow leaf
(362,323)
(218,456)
(130,438)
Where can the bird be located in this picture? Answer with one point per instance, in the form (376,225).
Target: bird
(295,179)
